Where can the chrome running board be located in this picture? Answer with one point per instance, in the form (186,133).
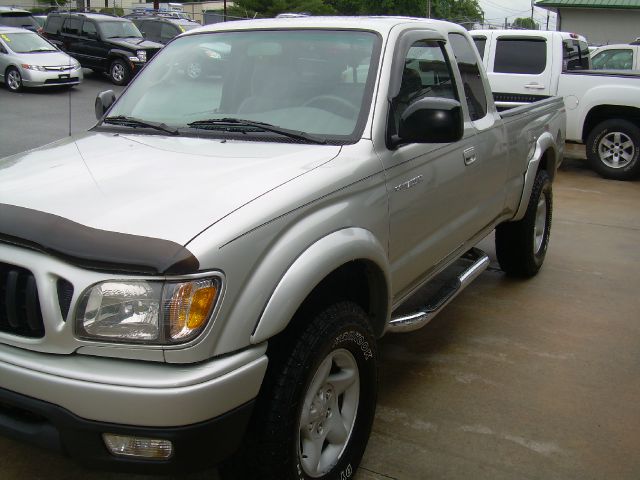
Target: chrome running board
(407,323)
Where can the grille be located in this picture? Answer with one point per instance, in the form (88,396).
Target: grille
(57,81)
(19,306)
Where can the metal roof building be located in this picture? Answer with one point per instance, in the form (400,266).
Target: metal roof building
(601,21)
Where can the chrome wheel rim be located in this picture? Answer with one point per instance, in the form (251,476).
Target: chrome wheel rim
(328,413)
(616,150)
(540,225)
(13,80)
(194,70)
(117,72)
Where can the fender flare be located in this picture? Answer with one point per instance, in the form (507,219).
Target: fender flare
(116,53)
(545,142)
(314,264)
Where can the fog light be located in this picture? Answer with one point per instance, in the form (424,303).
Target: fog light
(149,448)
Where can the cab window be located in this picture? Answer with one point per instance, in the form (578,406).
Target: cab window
(72,26)
(521,55)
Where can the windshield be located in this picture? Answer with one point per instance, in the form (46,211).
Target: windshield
(311,81)
(26,42)
(118,29)
(20,20)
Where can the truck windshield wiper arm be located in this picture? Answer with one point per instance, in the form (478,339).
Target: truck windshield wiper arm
(223,123)
(136,122)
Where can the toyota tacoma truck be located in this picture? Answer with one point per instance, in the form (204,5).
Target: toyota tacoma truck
(202,277)
(603,107)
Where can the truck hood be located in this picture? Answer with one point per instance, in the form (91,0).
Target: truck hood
(151,186)
(135,43)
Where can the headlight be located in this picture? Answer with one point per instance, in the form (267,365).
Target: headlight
(146,311)
(142,55)
(34,67)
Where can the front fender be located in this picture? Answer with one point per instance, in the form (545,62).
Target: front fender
(310,268)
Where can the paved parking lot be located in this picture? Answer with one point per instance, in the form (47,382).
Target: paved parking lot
(534,379)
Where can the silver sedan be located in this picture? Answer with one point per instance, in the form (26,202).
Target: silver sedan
(28,60)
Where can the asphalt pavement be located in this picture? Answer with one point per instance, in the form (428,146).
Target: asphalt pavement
(536,379)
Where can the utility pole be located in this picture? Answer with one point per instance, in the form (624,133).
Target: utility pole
(225,10)
(548,13)
(428,8)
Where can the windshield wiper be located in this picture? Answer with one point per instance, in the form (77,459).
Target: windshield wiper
(233,123)
(42,50)
(136,122)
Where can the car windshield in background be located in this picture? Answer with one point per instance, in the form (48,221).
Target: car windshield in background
(20,20)
(116,29)
(307,81)
(27,42)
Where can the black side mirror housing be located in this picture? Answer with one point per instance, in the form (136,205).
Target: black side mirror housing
(431,120)
(104,100)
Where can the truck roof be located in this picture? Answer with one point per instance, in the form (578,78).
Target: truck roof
(381,25)
(530,33)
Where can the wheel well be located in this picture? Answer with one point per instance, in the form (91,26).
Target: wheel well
(359,281)
(547,163)
(606,112)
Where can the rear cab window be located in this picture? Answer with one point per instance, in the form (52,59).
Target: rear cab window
(472,85)
(575,55)
(481,43)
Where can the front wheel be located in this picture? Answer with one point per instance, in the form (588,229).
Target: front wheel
(521,246)
(317,405)
(119,72)
(613,149)
(13,79)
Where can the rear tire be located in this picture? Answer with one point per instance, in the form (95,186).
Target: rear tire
(613,149)
(13,79)
(521,246)
(317,404)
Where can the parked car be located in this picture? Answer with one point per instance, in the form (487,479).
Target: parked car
(28,60)
(161,29)
(619,56)
(603,107)
(15,17)
(215,262)
(102,43)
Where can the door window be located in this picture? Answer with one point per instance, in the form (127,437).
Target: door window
(614,59)
(53,25)
(72,26)
(481,42)
(521,55)
(89,30)
(426,73)
(151,30)
(473,87)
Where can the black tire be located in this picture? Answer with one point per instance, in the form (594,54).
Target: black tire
(13,79)
(613,149)
(340,337)
(119,72)
(521,246)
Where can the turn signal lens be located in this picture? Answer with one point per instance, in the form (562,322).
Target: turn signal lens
(148,448)
(190,307)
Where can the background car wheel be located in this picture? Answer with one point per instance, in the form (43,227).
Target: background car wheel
(317,403)
(613,149)
(13,79)
(521,246)
(119,72)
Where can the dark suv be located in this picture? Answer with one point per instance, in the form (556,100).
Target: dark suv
(101,42)
(158,28)
(15,17)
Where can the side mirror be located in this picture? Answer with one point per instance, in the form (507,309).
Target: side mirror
(430,120)
(104,100)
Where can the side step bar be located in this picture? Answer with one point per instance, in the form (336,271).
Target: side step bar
(414,321)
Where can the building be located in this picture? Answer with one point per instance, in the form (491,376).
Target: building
(601,21)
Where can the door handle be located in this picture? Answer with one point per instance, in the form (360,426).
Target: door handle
(534,86)
(470,156)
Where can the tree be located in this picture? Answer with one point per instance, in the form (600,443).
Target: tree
(526,23)
(271,8)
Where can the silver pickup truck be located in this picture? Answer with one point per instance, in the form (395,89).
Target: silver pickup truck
(204,275)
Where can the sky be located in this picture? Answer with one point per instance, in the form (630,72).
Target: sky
(495,12)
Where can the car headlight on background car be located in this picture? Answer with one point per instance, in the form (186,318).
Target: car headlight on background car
(142,55)
(149,312)
(34,67)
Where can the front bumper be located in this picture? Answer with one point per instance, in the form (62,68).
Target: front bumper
(33,78)
(49,426)
(66,403)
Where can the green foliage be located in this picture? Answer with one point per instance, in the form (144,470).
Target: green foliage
(109,11)
(526,23)
(271,8)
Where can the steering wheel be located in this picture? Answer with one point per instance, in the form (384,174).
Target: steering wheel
(333,104)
